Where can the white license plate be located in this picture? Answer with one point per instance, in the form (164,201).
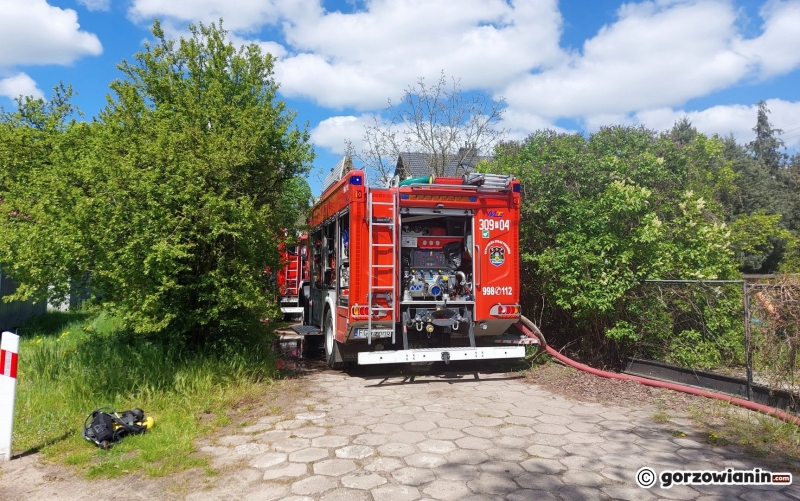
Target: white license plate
(376,333)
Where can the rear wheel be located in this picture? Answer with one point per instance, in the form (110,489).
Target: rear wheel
(331,346)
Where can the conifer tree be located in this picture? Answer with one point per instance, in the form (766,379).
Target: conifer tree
(767,144)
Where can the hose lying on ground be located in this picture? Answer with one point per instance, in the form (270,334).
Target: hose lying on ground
(530,329)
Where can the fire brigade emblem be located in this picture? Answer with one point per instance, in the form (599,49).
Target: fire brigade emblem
(497,255)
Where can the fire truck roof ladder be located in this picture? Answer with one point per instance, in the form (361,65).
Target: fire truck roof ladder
(490,181)
(474,181)
(373,289)
(344,166)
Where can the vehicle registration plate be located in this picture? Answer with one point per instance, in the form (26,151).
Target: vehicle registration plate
(376,333)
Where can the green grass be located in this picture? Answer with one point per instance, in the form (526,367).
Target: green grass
(73,363)
(759,434)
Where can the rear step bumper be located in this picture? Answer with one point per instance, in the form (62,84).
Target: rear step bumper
(306,330)
(292,310)
(439,354)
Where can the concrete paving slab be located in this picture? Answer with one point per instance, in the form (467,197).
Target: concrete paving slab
(308,455)
(345,495)
(334,467)
(355,452)
(329,441)
(316,484)
(289,471)
(395,493)
(384,465)
(447,490)
(268,460)
(413,476)
(290,444)
(396,449)
(363,480)
(445,434)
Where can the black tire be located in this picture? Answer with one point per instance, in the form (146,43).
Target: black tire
(331,345)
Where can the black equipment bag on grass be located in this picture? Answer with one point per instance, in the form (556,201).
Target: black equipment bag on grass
(104,427)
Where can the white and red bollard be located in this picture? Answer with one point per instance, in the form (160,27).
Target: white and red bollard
(9,354)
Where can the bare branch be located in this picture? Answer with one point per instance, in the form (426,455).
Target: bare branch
(439,121)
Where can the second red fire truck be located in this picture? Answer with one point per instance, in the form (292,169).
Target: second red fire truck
(424,271)
(292,274)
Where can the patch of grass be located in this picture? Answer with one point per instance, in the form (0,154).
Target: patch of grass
(661,417)
(54,323)
(662,414)
(73,363)
(714,439)
(759,434)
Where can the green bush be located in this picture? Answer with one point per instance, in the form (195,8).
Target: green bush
(602,212)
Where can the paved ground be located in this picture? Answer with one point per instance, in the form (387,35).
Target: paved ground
(462,438)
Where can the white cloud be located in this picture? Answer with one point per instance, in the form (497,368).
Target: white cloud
(332,132)
(777,50)
(371,55)
(724,120)
(95,5)
(332,85)
(19,85)
(360,59)
(655,54)
(266,46)
(240,16)
(34,32)
(662,53)
(519,124)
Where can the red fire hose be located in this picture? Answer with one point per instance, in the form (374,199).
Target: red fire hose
(530,329)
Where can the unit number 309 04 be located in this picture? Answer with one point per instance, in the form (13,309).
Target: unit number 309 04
(497,291)
(492,224)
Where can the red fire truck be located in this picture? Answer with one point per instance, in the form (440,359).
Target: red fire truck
(291,275)
(424,271)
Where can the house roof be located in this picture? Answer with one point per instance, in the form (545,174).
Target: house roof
(414,164)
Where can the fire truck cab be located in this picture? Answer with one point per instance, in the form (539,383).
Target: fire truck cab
(420,272)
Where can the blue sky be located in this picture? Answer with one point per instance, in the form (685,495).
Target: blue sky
(569,65)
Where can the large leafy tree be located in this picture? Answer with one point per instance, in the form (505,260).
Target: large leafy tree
(601,213)
(175,193)
(40,147)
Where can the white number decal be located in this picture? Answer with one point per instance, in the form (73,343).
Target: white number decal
(494,224)
(497,291)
